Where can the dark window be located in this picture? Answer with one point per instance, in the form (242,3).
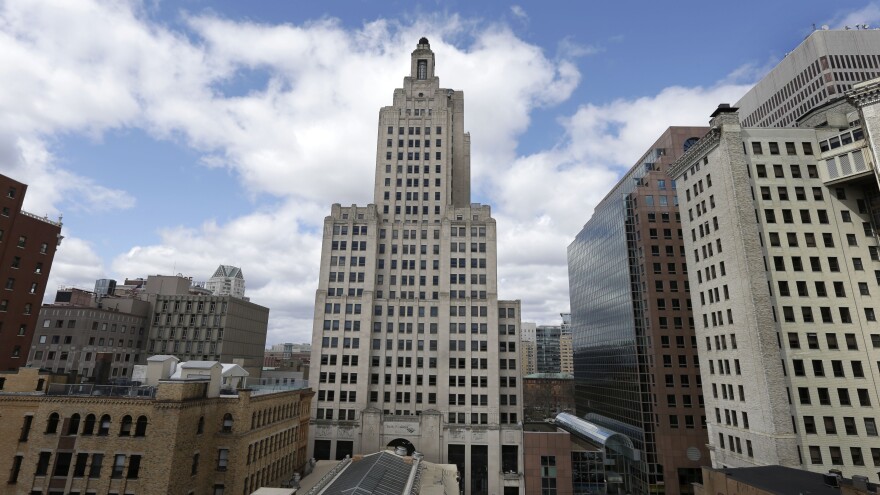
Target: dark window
(43,463)
(52,423)
(134,466)
(62,463)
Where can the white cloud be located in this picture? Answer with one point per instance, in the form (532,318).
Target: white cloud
(75,265)
(519,13)
(308,136)
(869,14)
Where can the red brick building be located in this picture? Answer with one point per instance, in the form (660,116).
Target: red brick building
(27,248)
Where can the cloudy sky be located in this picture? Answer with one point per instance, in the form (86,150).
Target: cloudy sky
(176,136)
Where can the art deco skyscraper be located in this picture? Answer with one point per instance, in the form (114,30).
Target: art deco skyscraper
(411,346)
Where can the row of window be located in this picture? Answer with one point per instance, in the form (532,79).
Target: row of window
(836,455)
(10,285)
(825,312)
(773,148)
(415,130)
(837,368)
(794,341)
(82,467)
(411,143)
(193,320)
(339,229)
(829,424)
(22,240)
(824,396)
(200,306)
(688,421)
(806,218)
(797,264)
(792,240)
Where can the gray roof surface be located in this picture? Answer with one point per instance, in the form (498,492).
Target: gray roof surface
(782,480)
(381,474)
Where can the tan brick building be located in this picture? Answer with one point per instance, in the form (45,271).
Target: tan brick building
(176,437)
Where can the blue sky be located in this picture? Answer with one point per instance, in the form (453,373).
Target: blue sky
(176,136)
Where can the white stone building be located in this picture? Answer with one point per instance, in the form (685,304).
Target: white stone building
(783,261)
(411,346)
(819,70)
(227,280)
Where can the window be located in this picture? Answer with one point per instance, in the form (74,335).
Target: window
(227,423)
(73,425)
(104,426)
(809,425)
(134,466)
(118,466)
(97,461)
(141,427)
(52,423)
(222,459)
(125,426)
(89,425)
(194,470)
(756,148)
(62,463)
(79,469)
(43,463)
(16,468)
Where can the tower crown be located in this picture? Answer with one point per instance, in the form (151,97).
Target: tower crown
(422,65)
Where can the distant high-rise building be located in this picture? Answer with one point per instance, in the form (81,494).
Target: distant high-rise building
(566,351)
(411,346)
(635,354)
(27,248)
(226,281)
(820,70)
(528,348)
(547,348)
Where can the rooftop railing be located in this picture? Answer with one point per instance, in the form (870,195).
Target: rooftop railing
(91,390)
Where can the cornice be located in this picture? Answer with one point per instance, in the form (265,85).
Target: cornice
(703,146)
(867,94)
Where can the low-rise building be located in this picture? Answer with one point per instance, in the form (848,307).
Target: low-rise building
(184,435)
(546,394)
(779,480)
(87,341)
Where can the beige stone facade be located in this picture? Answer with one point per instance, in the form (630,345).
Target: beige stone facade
(176,438)
(410,342)
(783,261)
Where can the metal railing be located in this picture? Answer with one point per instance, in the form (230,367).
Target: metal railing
(42,219)
(87,389)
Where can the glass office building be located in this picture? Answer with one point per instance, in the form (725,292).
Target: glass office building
(635,364)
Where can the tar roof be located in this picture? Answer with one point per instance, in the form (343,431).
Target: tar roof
(782,480)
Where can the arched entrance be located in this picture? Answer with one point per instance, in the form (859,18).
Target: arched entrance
(402,442)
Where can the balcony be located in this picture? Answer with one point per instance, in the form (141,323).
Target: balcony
(844,157)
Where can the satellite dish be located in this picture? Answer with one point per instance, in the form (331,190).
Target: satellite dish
(825,27)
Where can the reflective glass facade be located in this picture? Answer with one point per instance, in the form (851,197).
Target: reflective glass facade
(632,328)
(606,351)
